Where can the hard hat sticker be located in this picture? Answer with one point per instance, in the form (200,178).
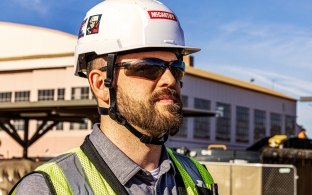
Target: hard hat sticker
(162,15)
(82,29)
(93,24)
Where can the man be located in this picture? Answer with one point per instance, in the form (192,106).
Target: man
(134,67)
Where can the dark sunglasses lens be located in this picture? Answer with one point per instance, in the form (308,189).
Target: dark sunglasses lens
(153,68)
(151,72)
(177,73)
(177,69)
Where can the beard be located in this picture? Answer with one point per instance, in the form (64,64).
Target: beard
(146,115)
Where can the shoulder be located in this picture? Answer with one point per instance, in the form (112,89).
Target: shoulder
(33,184)
(66,158)
(36,183)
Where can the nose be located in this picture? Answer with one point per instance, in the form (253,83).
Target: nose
(167,79)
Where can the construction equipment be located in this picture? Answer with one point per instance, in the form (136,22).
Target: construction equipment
(278,165)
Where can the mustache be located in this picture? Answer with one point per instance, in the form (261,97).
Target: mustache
(166,92)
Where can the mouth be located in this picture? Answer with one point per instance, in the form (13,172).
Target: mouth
(166,99)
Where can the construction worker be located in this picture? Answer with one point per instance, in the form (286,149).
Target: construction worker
(133,62)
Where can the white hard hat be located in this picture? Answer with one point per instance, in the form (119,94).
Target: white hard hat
(115,26)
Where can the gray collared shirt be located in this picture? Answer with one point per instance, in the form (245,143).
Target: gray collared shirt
(135,179)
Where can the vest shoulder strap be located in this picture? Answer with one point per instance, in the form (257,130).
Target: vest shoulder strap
(188,181)
(57,177)
(58,174)
(90,151)
(48,181)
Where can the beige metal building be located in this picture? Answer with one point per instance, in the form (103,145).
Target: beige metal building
(37,85)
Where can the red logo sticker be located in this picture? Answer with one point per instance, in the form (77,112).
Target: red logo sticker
(94,24)
(162,15)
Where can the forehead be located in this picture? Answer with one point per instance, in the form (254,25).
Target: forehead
(164,55)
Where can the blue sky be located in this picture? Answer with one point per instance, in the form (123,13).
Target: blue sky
(269,40)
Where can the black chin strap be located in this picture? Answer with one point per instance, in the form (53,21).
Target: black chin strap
(113,112)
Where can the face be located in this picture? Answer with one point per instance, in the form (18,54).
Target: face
(154,106)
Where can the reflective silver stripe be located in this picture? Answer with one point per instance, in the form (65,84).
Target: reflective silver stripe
(74,173)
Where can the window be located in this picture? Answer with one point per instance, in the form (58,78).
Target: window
(201,104)
(19,125)
(22,96)
(83,125)
(242,124)
(80,93)
(202,124)
(5,96)
(39,123)
(79,126)
(259,124)
(276,123)
(45,94)
(183,129)
(61,94)
(290,123)
(201,127)
(184,99)
(72,126)
(59,126)
(223,125)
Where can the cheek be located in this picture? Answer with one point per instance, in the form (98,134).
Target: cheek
(136,88)
(141,89)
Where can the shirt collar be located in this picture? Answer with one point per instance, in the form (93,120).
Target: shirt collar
(123,167)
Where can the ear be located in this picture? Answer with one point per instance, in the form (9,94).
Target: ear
(96,81)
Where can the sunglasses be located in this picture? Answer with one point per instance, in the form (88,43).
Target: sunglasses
(153,68)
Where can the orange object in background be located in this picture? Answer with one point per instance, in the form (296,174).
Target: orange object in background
(302,134)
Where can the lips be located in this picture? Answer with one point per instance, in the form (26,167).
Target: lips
(166,98)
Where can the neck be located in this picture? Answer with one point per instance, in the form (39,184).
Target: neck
(146,156)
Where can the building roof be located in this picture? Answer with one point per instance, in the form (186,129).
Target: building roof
(234,82)
(37,47)
(30,47)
